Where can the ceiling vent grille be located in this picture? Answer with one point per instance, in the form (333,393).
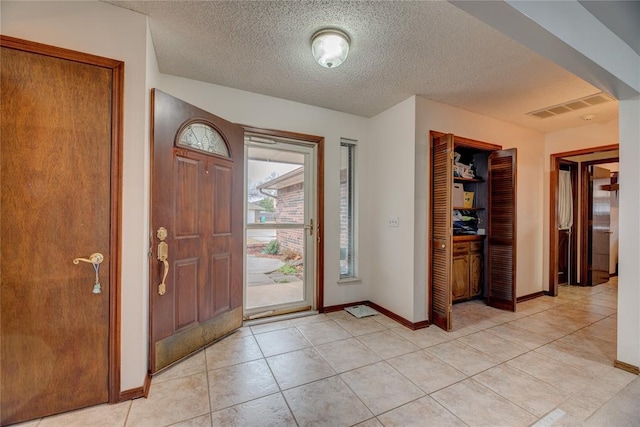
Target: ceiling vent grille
(573,105)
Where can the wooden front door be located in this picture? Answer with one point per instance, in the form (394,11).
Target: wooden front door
(501,286)
(441,234)
(599,225)
(196,229)
(59,201)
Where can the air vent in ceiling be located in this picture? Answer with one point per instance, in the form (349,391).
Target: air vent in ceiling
(576,104)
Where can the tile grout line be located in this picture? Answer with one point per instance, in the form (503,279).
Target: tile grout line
(206,370)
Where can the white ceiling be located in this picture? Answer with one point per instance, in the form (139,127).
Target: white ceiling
(399,49)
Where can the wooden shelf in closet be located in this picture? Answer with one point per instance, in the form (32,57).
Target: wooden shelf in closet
(468,237)
(460,208)
(461,179)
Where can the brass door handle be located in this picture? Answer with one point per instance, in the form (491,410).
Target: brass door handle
(163,257)
(163,250)
(94,259)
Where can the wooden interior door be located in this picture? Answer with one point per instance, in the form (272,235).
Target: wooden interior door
(599,225)
(441,233)
(501,286)
(59,201)
(197,216)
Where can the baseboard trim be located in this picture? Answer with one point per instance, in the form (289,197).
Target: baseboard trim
(404,322)
(530,296)
(339,307)
(138,392)
(626,367)
(411,325)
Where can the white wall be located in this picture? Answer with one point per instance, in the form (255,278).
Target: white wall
(390,179)
(431,115)
(629,247)
(116,33)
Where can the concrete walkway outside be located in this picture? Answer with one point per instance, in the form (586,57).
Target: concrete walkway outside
(259,267)
(264,291)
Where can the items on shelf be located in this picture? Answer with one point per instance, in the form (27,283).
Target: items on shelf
(465,222)
(467,201)
(460,169)
(457,199)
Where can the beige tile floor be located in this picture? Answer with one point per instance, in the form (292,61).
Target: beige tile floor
(549,363)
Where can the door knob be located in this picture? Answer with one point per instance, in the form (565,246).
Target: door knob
(94,259)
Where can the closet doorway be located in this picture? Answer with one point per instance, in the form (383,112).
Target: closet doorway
(583,217)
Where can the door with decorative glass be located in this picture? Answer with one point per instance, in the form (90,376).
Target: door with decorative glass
(280,226)
(195,293)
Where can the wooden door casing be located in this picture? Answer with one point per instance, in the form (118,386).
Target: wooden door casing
(501,286)
(198,198)
(440,270)
(61,121)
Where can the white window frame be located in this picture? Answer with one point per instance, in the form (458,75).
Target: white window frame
(352,274)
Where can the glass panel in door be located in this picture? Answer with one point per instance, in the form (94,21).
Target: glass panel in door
(279,250)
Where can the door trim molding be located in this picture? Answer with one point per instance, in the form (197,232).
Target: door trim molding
(553,206)
(319,141)
(117,126)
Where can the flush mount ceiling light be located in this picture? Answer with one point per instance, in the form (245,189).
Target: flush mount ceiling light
(330,47)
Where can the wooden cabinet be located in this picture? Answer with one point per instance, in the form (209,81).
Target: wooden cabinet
(467,275)
(467,259)
(460,278)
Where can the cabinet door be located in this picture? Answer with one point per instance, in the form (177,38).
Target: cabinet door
(460,277)
(475,274)
(441,237)
(501,286)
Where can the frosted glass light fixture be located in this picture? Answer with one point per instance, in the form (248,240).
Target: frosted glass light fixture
(330,47)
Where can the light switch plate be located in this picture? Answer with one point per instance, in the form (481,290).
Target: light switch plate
(394,221)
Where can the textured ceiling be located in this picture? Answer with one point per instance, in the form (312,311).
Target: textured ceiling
(398,49)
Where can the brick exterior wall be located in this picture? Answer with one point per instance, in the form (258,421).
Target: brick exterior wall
(290,209)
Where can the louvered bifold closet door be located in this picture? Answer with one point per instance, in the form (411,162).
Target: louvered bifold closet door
(501,289)
(441,238)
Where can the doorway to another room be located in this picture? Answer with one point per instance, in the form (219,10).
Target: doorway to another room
(584,217)
(281,224)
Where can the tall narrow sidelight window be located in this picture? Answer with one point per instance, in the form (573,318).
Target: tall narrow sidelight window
(347,209)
